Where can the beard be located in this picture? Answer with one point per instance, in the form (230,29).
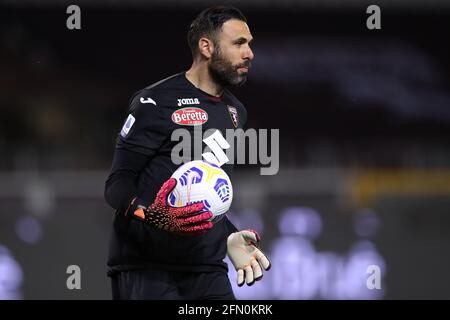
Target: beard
(224,72)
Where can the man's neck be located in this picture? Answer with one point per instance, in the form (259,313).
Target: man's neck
(199,76)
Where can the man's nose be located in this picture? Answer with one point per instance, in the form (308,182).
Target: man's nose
(248,54)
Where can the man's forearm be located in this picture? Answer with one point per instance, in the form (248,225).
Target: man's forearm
(231,227)
(121,185)
(120,189)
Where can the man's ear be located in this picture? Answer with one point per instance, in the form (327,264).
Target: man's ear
(205,47)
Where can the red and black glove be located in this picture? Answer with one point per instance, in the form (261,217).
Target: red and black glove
(190,219)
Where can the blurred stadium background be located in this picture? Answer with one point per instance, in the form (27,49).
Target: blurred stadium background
(364,119)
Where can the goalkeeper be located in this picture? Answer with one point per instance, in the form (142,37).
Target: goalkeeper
(161,252)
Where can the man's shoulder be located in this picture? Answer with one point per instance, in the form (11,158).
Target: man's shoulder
(231,98)
(166,83)
(159,92)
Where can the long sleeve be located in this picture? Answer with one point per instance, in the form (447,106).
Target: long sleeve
(142,134)
(231,227)
(121,185)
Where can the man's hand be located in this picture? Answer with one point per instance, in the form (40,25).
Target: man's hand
(246,257)
(190,219)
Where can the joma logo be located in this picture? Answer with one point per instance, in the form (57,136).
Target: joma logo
(182,102)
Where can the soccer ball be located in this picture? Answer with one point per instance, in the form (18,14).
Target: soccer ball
(202,181)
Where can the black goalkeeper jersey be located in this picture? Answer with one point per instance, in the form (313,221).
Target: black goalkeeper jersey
(142,163)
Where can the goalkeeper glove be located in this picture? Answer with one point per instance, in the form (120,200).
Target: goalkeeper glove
(190,219)
(246,257)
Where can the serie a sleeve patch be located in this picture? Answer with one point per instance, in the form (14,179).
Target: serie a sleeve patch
(127,126)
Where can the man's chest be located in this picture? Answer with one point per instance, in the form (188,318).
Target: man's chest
(186,109)
(201,132)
